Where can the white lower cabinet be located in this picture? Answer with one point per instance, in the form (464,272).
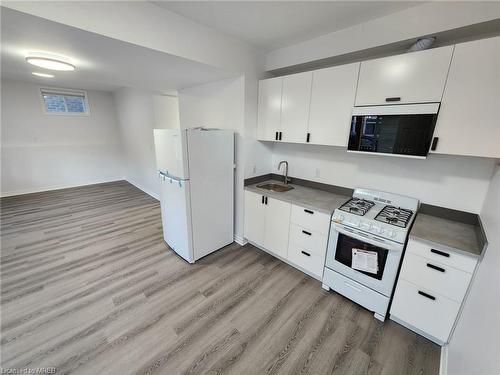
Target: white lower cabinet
(308,261)
(296,234)
(436,276)
(431,289)
(254,226)
(308,240)
(267,222)
(425,310)
(277,219)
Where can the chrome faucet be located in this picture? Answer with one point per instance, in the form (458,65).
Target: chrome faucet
(286,179)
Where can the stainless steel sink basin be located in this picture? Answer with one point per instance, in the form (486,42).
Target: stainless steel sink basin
(279,188)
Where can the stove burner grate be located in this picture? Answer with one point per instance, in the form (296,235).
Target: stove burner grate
(357,206)
(397,216)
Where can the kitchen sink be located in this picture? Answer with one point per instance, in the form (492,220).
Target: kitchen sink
(279,188)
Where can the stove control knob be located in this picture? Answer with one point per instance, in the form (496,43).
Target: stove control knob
(381,230)
(341,217)
(391,234)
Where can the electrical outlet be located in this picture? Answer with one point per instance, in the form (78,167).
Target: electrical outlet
(317,173)
(254,169)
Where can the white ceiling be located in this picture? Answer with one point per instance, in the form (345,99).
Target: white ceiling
(273,24)
(102,63)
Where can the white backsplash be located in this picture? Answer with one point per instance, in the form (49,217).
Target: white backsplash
(456,182)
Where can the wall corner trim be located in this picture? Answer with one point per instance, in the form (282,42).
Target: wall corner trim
(240,240)
(443,363)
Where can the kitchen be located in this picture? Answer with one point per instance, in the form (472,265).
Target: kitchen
(402,245)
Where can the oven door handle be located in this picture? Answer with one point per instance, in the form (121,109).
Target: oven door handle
(366,238)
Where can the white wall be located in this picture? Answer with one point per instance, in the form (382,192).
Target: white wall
(43,152)
(449,181)
(475,344)
(407,24)
(222,105)
(139,112)
(166,112)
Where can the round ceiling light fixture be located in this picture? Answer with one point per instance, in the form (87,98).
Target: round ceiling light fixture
(49,61)
(44,75)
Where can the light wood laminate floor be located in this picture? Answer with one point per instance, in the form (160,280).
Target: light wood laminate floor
(88,286)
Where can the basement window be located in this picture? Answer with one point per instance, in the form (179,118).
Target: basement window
(56,101)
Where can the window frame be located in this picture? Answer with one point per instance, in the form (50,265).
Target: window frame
(63,91)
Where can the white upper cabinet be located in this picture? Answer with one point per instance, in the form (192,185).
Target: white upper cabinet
(295,102)
(332,98)
(415,77)
(468,122)
(269,108)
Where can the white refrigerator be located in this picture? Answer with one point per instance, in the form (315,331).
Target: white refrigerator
(196,172)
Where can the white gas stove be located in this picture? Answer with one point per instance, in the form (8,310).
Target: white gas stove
(382,214)
(367,238)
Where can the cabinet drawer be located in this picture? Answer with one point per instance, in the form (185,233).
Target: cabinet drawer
(435,317)
(310,240)
(307,260)
(435,276)
(450,258)
(310,219)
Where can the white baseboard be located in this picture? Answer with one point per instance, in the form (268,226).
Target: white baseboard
(147,191)
(443,363)
(55,187)
(59,187)
(240,240)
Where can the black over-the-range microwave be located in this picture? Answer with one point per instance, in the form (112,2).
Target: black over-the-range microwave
(400,130)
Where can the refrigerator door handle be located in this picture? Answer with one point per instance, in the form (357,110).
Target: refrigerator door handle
(172,179)
(163,175)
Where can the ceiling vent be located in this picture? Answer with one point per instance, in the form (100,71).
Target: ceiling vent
(422,43)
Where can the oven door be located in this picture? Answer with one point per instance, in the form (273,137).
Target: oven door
(341,243)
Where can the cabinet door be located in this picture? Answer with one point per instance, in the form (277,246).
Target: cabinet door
(332,99)
(269,108)
(277,226)
(295,107)
(468,118)
(254,218)
(425,310)
(415,77)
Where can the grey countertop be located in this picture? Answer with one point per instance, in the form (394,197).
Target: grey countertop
(306,197)
(451,229)
(455,235)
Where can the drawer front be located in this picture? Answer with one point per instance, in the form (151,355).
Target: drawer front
(450,258)
(307,260)
(356,292)
(310,219)
(432,316)
(310,240)
(436,277)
